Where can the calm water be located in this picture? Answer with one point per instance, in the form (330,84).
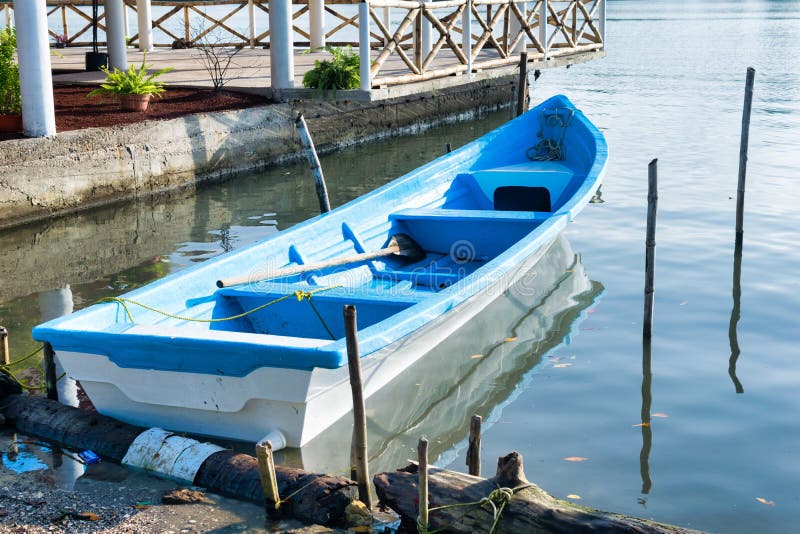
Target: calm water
(671,88)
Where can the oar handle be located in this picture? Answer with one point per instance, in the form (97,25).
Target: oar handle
(288,271)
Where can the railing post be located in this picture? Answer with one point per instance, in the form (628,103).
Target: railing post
(602,22)
(466,35)
(515,26)
(281,46)
(125,24)
(426,36)
(316,19)
(144,14)
(543,27)
(65,26)
(363,45)
(251,17)
(7,10)
(35,76)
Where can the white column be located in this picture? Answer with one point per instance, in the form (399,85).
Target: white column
(281,44)
(387,21)
(52,304)
(602,21)
(125,23)
(7,9)
(35,78)
(251,17)
(144,14)
(466,35)
(316,19)
(363,46)
(115,35)
(543,27)
(515,26)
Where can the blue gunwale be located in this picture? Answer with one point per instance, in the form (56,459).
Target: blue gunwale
(104,329)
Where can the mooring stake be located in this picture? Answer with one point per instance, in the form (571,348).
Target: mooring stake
(50,372)
(4,346)
(359,414)
(650,252)
(745,139)
(313,160)
(422,452)
(448,147)
(522,86)
(474,449)
(269,481)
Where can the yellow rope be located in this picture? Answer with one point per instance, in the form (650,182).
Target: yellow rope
(300,295)
(497,499)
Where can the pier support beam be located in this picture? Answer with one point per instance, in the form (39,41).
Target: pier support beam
(144,14)
(316,19)
(35,77)
(115,35)
(281,48)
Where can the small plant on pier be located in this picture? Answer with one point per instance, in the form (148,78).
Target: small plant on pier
(340,72)
(132,86)
(10,97)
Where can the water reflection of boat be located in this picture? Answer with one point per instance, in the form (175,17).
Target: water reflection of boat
(511,334)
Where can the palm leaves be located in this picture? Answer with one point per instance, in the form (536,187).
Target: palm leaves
(131,82)
(340,72)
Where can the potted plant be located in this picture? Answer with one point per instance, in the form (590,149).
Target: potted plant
(134,87)
(61,40)
(10,96)
(340,72)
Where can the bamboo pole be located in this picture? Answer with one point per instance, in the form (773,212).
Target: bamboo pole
(6,356)
(313,161)
(422,452)
(745,139)
(359,415)
(650,243)
(474,449)
(269,481)
(49,363)
(522,86)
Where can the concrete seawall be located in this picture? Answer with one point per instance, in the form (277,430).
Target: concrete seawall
(80,169)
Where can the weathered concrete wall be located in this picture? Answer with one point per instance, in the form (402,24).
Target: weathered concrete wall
(80,169)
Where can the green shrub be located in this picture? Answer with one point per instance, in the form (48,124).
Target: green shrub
(10,97)
(131,82)
(340,72)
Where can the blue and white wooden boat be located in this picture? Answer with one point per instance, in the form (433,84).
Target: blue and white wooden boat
(263,358)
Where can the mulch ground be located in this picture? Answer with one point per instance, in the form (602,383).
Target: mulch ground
(74,110)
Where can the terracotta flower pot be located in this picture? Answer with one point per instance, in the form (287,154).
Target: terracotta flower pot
(134,102)
(10,123)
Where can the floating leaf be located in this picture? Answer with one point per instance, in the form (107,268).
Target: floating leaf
(476,356)
(659,414)
(86,516)
(142,505)
(561,365)
(765,501)
(575,459)
(573,496)
(642,424)
(510,339)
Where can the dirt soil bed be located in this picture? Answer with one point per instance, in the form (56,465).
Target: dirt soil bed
(74,110)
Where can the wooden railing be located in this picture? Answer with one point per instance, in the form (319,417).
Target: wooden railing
(402,41)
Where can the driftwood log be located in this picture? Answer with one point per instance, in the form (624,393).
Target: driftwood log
(529,510)
(322,500)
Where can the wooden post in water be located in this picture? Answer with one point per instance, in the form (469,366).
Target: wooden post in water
(50,372)
(313,160)
(650,253)
(422,451)
(474,448)
(269,481)
(359,414)
(448,147)
(522,86)
(748,103)
(6,356)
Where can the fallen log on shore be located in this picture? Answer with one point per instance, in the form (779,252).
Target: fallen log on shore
(320,499)
(527,507)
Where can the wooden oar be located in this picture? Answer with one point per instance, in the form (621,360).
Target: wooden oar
(399,245)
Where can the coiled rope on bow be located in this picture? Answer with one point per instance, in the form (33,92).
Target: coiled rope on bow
(551,149)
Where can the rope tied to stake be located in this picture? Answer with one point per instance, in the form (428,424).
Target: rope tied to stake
(551,149)
(497,499)
(6,369)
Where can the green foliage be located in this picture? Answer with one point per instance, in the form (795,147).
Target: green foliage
(10,97)
(131,82)
(340,72)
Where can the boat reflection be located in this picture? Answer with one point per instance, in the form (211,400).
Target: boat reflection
(471,372)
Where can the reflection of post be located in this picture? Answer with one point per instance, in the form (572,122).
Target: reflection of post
(735,314)
(54,304)
(647,430)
